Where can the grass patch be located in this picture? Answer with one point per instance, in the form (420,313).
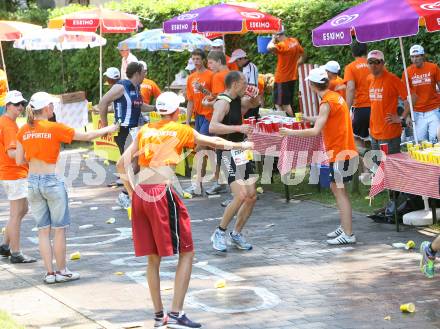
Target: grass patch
(306,191)
(6,322)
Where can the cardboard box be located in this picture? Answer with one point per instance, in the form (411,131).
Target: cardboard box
(77,96)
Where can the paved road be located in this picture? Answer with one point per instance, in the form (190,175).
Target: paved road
(291,279)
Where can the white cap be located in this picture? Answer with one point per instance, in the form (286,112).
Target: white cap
(41,99)
(317,75)
(332,66)
(168,102)
(190,66)
(376,54)
(14,97)
(416,50)
(144,65)
(112,73)
(218,43)
(237,54)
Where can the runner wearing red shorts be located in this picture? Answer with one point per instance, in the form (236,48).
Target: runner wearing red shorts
(160,221)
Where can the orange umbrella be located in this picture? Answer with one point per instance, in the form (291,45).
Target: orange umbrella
(108,21)
(13,30)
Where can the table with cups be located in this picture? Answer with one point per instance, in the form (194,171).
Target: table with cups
(292,152)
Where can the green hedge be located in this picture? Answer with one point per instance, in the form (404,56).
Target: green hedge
(41,70)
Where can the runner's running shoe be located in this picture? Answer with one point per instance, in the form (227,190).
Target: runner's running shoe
(239,241)
(342,239)
(335,233)
(218,240)
(181,322)
(427,263)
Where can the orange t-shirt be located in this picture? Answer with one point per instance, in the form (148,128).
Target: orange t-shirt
(384,93)
(194,95)
(288,52)
(43,140)
(338,132)
(218,82)
(335,83)
(149,88)
(8,138)
(231,66)
(260,84)
(423,82)
(161,143)
(358,72)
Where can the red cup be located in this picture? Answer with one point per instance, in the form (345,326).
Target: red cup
(246,121)
(259,126)
(252,122)
(307,125)
(384,147)
(275,127)
(268,126)
(296,125)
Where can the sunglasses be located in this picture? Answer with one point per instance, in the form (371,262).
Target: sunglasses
(19,103)
(374,62)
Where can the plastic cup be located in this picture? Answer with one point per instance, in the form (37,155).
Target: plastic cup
(298,117)
(246,121)
(408,308)
(75,256)
(384,148)
(129,213)
(410,245)
(297,125)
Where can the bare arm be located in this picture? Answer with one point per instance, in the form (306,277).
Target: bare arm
(272,45)
(189,111)
(123,165)
(19,154)
(220,143)
(324,111)
(221,108)
(147,107)
(249,103)
(88,136)
(351,87)
(11,153)
(114,93)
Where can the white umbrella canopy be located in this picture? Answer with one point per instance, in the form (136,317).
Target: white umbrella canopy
(49,39)
(12,30)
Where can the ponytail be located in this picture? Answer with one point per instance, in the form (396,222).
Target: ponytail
(30,114)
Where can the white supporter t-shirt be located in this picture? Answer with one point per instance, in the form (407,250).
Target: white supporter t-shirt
(250,71)
(125,61)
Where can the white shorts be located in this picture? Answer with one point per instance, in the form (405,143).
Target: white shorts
(16,189)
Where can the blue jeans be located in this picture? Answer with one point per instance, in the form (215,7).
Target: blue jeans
(47,197)
(426,125)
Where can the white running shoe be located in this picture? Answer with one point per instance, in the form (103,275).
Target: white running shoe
(342,239)
(66,275)
(49,278)
(335,233)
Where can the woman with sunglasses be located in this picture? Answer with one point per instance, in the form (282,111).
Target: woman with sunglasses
(13,178)
(38,143)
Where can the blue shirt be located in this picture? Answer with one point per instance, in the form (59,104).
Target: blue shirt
(128,106)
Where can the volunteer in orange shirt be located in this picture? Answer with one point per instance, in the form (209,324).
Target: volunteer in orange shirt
(423,78)
(336,83)
(198,86)
(38,144)
(13,178)
(149,88)
(3,90)
(289,54)
(217,64)
(334,123)
(219,45)
(160,221)
(357,92)
(385,88)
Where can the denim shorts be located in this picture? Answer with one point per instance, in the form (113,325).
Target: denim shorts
(48,200)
